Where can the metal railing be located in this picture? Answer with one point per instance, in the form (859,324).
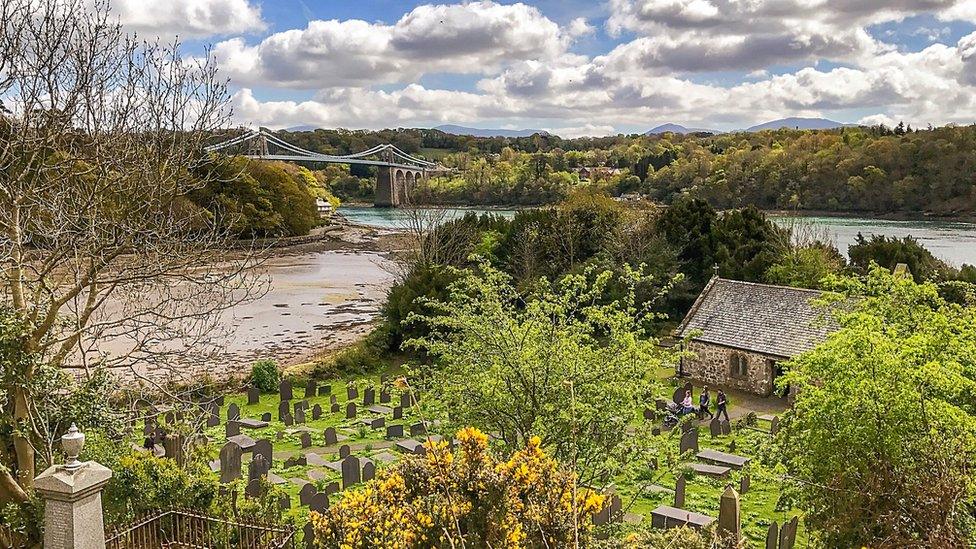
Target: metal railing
(183,529)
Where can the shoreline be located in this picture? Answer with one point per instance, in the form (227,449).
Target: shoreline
(969,219)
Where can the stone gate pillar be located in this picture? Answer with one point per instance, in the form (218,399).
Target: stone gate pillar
(72,496)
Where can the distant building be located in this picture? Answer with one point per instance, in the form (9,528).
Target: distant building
(742,331)
(324,207)
(589,172)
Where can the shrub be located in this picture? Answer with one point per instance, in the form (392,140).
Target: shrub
(142,483)
(265,375)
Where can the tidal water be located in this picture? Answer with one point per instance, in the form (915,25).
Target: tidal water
(953,242)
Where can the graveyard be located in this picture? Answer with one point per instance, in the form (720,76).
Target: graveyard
(314,440)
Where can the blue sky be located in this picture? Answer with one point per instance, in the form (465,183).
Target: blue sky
(581,67)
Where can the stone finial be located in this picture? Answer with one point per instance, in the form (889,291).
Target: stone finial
(72,442)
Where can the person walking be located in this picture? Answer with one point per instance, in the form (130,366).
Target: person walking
(704,401)
(686,405)
(721,405)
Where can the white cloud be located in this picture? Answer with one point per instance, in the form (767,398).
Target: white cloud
(189,18)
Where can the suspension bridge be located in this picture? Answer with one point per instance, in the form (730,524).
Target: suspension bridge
(397,172)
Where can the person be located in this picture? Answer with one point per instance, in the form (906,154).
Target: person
(686,405)
(721,404)
(704,400)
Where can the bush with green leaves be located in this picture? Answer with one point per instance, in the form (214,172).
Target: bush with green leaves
(265,375)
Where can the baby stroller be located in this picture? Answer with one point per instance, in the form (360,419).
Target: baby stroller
(672,415)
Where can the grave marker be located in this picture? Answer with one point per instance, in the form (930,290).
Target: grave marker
(726,427)
(351,410)
(772,536)
(288,419)
(369,471)
(232,428)
(744,484)
(319,503)
(369,396)
(774,425)
(306,493)
(233,412)
(264,448)
(344,451)
(300,416)
(230,462)
(729,525)
(335,408)
(394,431)
(377,423)
(330,436)
(689,441)
(306,440)
(253,395)
(259,467)
(352,393)
(418,429)
(384,397)
(316,412)
(351,473)
(311,390)
(405,400)
(284,502)
(213,416)
(325,390)
(715,427)
(283,409)
(253,488)
(266,417)
(284,390)
(679,492)
(332,488)
(398,412)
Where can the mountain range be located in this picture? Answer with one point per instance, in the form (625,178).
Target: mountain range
(792,123)
(486,132)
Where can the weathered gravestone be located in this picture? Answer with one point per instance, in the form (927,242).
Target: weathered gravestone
(296,461)
(230,462)
(335,408)
(384,396)
(173,447)
(787,534)
(726,427)
(679,492)
(284,390)
(253,395)
(333,399)
(655,431)
(661,405)
(398,412)
(732,446)
(306,493)
(306,440)
(213,415)
(300,416)
(715,427)
(331,488)
(232,429)
(377,423)
(259,467)
(330,436)
(405,400)
(743,484)
(266,417)
(288,420)
(284,502)
(418,429)
(774,425)
(729,525)
(344,451)
(394,431)
(311,389)
(351,410)
(264,448)
(352,393)
(369,471)
(253,489)
(325,390)
(308,534)
(351,472)
(319,503)
(679,395)
(369,396)
(316,412)
(689,441)
(649,414)
(233,412)
(772,536)
(283,409)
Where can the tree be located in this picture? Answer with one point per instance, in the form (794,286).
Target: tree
(100,241)
(557,363)
(882,437)
(890,251)
(806,266)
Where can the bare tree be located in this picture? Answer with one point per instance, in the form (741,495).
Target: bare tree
(100,135)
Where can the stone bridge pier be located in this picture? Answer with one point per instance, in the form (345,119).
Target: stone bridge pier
(394,185)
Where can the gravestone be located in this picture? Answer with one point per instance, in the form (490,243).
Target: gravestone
(330,436)
(656,431)
(351,410)
(259,467)
(743,485)
(331,488)
(233,412)
(253,395)
(333,399)
(352,393)
(335,408)
(729,523)
(296,461)
(661,405)
(418,429)
(679,492)
(351,472)
(679,395)
(264,448)
(384,397)
(732,446)
(405,400)
(369,471)
(319,503)
(308,534)
(316,412)
(311,390)
(649,415)
(173,447)
(253,488)
(306,439)
(288,419)
(715,427)
(325,390)
(787,534)
(232,429)
(284,502)
(377,423)
(306,493)
(230,462)
(266,417)
(774,425)
(394,431)
(284,390)
(344,451)
(283,409)
(398,412)
(726,427)
(369,396)
(300,416)
(213,416)
(772,536)
(689,441)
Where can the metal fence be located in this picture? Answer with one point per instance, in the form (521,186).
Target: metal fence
(182,529)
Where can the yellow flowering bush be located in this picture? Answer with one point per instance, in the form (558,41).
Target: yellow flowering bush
(465,497)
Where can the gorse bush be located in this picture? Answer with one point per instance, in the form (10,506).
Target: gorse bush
(265,375)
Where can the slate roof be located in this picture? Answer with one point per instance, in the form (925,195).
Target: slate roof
(772,320)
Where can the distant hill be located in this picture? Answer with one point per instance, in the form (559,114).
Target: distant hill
(482,132)
(302,128)
(677,128)
(801,123)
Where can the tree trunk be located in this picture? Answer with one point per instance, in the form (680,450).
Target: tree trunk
(22,446)
(10,491)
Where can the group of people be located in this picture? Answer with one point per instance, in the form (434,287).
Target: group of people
(704,403)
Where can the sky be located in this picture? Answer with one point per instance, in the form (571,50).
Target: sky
(579,67)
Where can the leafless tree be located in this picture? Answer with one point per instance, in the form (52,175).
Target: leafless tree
(100,135)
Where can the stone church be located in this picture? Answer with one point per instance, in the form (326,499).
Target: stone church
(740,333)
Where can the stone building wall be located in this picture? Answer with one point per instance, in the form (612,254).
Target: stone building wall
(712,364)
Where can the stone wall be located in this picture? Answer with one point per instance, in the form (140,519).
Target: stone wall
(712,364)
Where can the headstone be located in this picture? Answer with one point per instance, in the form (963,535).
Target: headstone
(787,534)
(325,390)
(335,408)
(732,446)
(330,436)
(351,472)
(679,493)
(394,431)
(333,399)
(344,451)
(689,442)
(301,405)
(319,503)
(679,395)
(729,523)
(405,400)
(384,397)
(774,425)
(331,488)
(656,431)
(253,488)
(220,400)
(266,417)
(232,428)
(316,412)
(284,390)
(351,410)
(284,502)
(173,447)
(264,448)
(213,416)
(369,471)
(311,390)
(418,429)
(715,427)
(288,420)
(377,423)
(300,416)
(308,534)
(772,536)
(306,493)
(283,409)
(661,405)
(296,461)
(259,467)
(398,412)
(233,412)
(253,395)
(743,484)
(352,393)
(726,427)
(230,462)
(306,440)
(369,396)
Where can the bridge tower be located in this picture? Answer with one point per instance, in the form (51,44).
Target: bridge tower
(257,146)
(394,185)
